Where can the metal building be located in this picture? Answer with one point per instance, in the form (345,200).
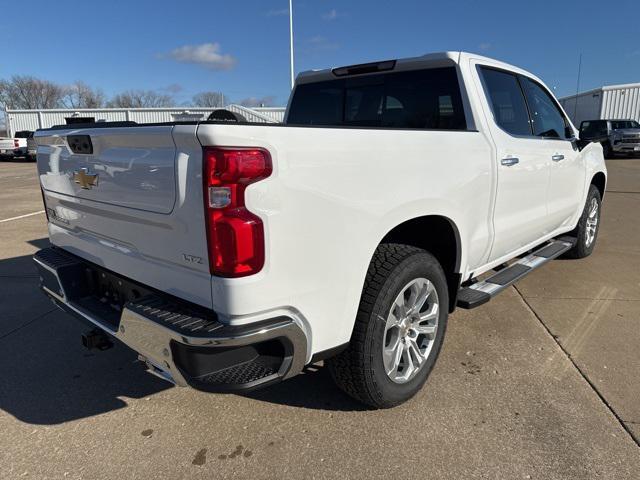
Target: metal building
(17,120)
(612,102)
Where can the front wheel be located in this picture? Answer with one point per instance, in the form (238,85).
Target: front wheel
(399,328)
(588,226)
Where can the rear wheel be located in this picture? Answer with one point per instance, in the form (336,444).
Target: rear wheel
(399,329)
(588,226)
(607,151)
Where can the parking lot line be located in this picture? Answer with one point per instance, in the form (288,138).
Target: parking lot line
(22,216)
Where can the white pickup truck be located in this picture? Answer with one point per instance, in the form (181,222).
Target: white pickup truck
(231,255)
(14,147)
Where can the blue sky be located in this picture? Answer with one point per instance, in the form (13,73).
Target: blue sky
(241,47)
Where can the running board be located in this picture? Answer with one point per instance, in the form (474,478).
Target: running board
(480,293)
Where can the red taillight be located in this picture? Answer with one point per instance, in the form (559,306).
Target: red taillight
(16,143)
(235,236)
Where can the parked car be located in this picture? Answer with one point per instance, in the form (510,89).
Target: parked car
(16,146)
(32,146)
(616,136)
(9,147)
(229,255)
(21,141)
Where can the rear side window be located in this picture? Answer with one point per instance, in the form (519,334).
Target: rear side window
(507,101)
(419,99)
(548,120)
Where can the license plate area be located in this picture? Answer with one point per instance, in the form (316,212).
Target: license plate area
(91,289)
(104,294)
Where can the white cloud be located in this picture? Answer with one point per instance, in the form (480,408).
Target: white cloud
(318,44)
(331,14)
(484,46)
(208,55)
(278,13)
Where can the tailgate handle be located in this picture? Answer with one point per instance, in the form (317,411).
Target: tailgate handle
(80,144)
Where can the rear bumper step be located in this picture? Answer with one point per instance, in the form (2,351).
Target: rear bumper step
(180,342)
(481,292)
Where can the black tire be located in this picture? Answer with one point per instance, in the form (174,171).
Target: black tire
(359,370)
(607,151)
(583,248)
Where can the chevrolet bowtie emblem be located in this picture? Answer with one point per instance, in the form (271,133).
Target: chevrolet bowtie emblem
(86,180)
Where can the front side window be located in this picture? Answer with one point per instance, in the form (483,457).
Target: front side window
(416,99)
(547,119)
(507,101)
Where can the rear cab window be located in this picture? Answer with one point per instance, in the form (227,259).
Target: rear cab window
(417,99)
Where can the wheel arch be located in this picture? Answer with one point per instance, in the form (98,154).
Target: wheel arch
(440,236)
(599,180)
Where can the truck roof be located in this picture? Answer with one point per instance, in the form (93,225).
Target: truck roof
(411,63)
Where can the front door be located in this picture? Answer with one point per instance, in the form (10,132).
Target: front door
(566,171)
(520,212)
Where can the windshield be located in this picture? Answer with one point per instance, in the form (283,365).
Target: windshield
(621,124)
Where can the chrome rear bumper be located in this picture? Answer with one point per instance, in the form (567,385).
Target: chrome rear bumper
(179,342)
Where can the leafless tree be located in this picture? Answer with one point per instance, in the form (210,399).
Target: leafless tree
(81,95)
(141,99)
(258,102)
(208,99)
(26,92)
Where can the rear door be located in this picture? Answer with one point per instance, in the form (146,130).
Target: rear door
(566,169)
(520,212)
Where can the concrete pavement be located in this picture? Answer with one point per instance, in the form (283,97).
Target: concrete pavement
(542,382)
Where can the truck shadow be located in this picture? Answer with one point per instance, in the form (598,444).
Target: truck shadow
(47,377)
(313,389)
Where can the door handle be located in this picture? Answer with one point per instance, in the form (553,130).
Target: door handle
(557,158)
(509,161)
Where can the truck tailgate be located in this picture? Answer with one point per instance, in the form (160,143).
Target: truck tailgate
(130,199)
(134,167)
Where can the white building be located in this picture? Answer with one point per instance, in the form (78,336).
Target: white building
(17,120)
(612,102)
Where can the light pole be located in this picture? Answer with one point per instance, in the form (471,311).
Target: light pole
(291,40)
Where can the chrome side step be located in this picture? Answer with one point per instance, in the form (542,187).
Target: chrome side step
(480,293)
